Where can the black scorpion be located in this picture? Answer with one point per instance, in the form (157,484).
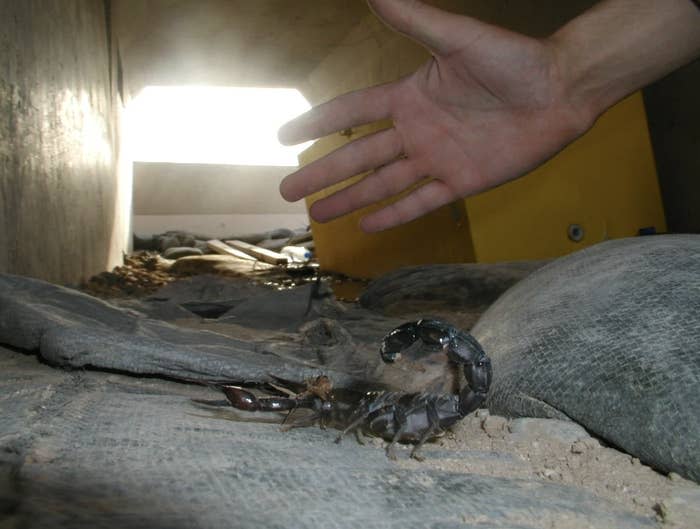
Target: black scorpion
(394,416)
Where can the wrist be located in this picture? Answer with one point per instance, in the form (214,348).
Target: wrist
(575,104)
(620,46)
(579,86)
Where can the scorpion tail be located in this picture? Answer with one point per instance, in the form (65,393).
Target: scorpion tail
(397,340)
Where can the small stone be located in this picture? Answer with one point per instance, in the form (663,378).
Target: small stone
(549,473)
(482,413)
(661,510)
(682,508)
(495,426)
(642,501)
(181,251)
(578,447)
(173,239)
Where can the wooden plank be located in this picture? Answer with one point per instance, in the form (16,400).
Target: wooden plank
(219,247)
(260,253)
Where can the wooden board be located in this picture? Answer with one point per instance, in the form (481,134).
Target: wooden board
(260,253)
(219,247)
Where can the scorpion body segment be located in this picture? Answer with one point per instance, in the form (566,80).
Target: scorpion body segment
(394,416)
(461,348)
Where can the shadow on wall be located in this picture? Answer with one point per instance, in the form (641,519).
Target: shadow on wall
(673,109)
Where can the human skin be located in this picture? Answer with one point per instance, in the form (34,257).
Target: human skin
(489,106)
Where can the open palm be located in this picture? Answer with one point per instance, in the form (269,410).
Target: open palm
(486,108)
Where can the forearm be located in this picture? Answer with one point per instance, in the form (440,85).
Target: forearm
(619,46)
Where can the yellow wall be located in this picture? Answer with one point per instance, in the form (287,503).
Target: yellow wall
(605,181)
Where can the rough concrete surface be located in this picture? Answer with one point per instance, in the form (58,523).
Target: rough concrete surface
(87,449)
(607,337)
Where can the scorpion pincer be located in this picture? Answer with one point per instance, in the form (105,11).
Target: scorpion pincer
(396,417)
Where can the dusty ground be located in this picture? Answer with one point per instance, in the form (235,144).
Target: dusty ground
(585,462)
(546,450)
(541,450)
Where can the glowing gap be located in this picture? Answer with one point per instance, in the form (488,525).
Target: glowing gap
(213,125)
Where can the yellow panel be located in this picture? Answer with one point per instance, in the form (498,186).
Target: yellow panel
(440,237)
(605,181)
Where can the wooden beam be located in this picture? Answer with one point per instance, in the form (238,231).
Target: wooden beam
(260,253)
(217,246)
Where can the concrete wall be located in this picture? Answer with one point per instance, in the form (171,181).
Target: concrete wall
(58,187)
(270,43)
(216,200)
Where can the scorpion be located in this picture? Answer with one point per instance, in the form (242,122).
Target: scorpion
(394,416)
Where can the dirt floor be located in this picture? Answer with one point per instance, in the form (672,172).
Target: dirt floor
(541,453)
(548,450)
(542,450)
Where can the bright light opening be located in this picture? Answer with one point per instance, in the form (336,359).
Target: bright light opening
(213,125)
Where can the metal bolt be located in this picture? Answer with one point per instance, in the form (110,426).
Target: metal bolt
(575,232)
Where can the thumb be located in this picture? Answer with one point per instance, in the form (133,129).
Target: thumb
(437,30)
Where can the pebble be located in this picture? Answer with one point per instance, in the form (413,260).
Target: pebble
(173,240)
(584,445)
(181,251)
(482,413)
(495,426)
(682,509)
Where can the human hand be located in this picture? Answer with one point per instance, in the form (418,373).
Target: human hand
(487,107)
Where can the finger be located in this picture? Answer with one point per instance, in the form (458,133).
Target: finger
(345,111)
(433,28)
(357,157)
(384,183)
(423,200)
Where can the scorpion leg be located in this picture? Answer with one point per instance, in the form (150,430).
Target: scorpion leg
(356,419)
(370,404)
(419,405)
(400,419)
(361,439)
(306,422)
(401,422)
(430,431)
